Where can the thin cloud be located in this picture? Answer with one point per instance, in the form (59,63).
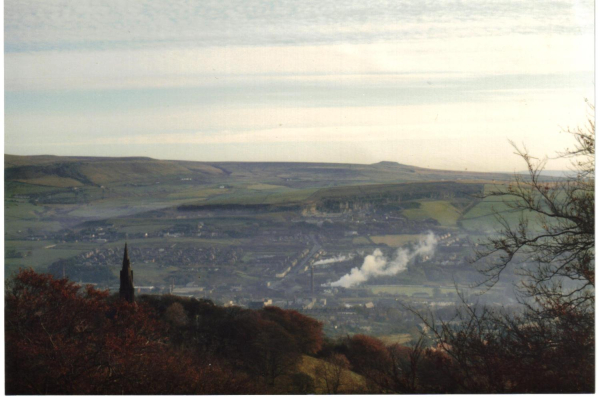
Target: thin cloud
(95,70)
(394,80)
(88,24)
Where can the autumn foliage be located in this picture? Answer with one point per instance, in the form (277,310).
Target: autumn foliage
(64,339)
(265,344)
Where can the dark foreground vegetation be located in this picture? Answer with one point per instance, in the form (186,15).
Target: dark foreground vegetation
(64,339)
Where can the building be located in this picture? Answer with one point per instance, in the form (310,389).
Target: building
(126,290)
(260,304)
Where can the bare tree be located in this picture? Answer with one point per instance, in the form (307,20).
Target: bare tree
(334,373)
(549,345)
(553,241)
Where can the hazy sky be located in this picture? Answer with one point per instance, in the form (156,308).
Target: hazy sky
(436,84)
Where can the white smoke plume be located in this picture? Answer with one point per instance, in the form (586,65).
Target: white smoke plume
(378,265)
(335,259)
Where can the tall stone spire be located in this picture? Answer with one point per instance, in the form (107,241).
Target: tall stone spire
(126,291)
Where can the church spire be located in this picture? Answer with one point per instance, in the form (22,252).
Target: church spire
(126,256)
(126,290)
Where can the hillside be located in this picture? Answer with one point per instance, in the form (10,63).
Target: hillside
(59,171)
(96,171)
(230,222)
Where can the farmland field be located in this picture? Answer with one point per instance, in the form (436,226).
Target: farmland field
(482,217)
(442,211)
(407,290)
(396,339)
(361,241)
(395,240)
(40,254)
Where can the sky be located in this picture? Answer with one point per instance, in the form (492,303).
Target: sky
(438,84)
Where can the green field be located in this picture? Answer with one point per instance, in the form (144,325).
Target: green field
(396,339)
(271,196)
(395,240)
(40,254)
(53,181)
(22,210)
(264,187)
(20,216)
(361,241)
(442,211)
(407,290)
(483,216)
(141,242)
(142,227)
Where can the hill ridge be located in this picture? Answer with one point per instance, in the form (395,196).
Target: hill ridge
(68,171)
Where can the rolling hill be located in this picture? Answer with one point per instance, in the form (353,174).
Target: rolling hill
(96,171)
(59,171)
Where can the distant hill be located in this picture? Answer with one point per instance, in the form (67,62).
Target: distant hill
(81,171)
(553,173)
(62,171)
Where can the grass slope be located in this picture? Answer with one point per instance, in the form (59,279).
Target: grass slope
(442,211)
(351,382)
